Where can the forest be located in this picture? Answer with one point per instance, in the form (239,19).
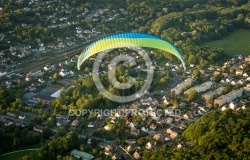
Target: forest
(216,135)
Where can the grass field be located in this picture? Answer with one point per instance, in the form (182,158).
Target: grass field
(237,42)
(17,155)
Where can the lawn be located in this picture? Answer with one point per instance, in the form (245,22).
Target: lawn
(235,43)
(17,155)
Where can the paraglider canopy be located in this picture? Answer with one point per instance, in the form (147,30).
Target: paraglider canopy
(130,39)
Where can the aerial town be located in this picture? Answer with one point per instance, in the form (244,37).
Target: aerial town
(45,101)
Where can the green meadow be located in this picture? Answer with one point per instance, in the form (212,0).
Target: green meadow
(237,42)
(17,155)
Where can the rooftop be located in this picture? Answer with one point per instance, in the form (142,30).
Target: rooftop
(83,155)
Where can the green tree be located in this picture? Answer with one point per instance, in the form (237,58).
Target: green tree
(192,59)
(192,94)
(196,73)
(140,141)
(55,76)
(46,133)
(82,147)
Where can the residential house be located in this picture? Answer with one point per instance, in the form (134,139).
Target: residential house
(223,82)
(152,108)
(131,141)
(42,48)
(3,74)
(243,66)
(169,111)
(243,107)
(37,73)
(150,145)
(61,117)
(177,118)
(22,117)
(106,128)
(155,115)
(20,124)
(102,145)
(216,73)
(108,149)
(247,59)
(187,116)
(133,124)
(61,45)
(200,88)
(114,157)
(181,145)
(91,124)
(10,114)
(146,101)
(168,138)
(63,73)
(245,75)
(158,136)
(144,129)
(202,71)
(224,75)
(228,97)
(227,64)
(119,114)
(172,132)
(40,80)
(152,126)
(169,120)
(75,123)
(233,83)
(48,68)
(136,155)
(224,108)
(8,123)
(180,87)
(89,141)
(238,72)
(143,117)
(165,100)
(241,82)
(58,124)
(27,79)
(134,131)
(38,128)
(234,94)
(201,112)
(210,94)
(155,102)
(114,120)
(182,126)
(228,80)
(233,105)
(132,147)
